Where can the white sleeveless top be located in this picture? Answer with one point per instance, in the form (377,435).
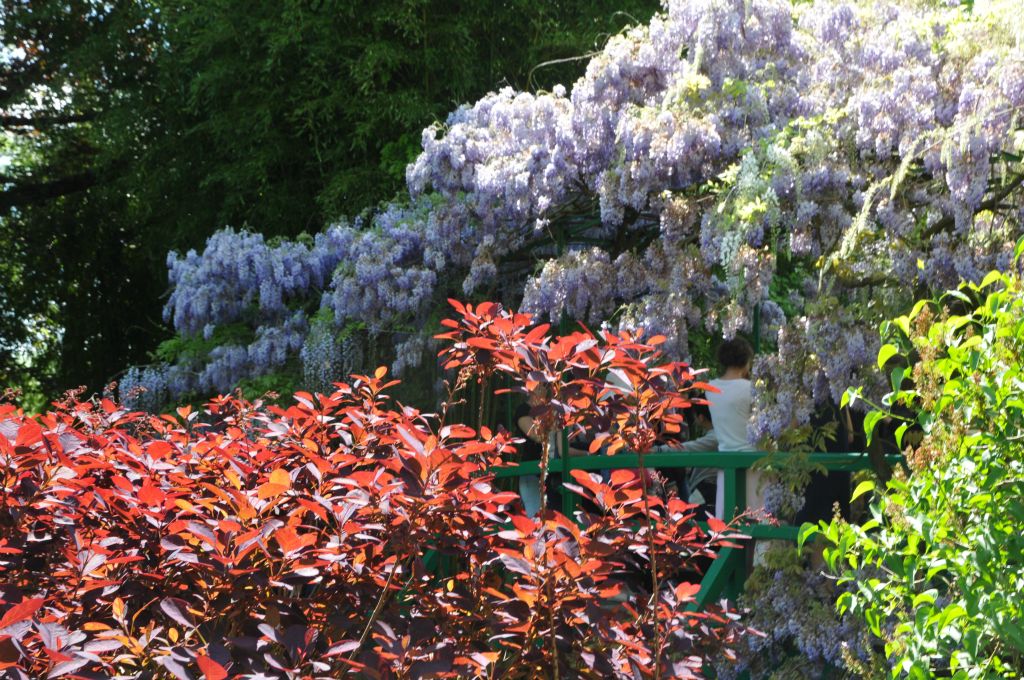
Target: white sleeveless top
(730,411)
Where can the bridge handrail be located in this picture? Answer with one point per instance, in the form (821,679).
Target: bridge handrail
(729,570)
(718,460)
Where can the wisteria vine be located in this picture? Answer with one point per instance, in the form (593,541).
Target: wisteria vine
(814,165)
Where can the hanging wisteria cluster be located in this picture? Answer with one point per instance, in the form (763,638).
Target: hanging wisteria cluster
(246,299)
(806,168)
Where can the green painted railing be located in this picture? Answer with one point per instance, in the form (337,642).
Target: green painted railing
(728,572)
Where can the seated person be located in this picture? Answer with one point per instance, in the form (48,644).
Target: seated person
(698,484)
(533,449)
(730,411)
(699,422)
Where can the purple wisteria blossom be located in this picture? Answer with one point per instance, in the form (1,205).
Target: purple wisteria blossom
(811,165)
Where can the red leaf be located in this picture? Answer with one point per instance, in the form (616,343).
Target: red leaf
(314,508)
(150,495)
(160,449)
(22,611)
(210,668)
(536,335)
(279,482)
(523,524)
(716,525)
(585,480)
(57,656)
(687,591)
(620,477)
(122,483)
(289,540)
(29,433)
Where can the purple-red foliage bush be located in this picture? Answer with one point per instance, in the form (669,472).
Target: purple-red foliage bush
(253,541)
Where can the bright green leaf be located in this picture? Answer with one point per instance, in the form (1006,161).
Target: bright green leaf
(900,431)
(862,488)
(885,353)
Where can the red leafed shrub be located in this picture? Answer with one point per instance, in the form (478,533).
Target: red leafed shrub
(252,541)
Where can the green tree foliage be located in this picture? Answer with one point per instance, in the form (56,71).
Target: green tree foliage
(134,127)
(938,568)
(73,266)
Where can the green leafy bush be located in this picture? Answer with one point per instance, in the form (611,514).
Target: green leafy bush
(938,567)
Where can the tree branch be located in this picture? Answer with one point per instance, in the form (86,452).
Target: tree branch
(28,193)
(993,202)
(18,79)
(37,122)
(851,279)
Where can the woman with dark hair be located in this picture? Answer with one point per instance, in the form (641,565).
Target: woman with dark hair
(730,411)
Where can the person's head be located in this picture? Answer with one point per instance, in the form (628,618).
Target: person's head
(735,355)
(700,418)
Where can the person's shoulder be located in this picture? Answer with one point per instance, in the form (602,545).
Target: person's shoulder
(735,384)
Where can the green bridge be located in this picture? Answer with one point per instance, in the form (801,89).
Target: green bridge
(728,572)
